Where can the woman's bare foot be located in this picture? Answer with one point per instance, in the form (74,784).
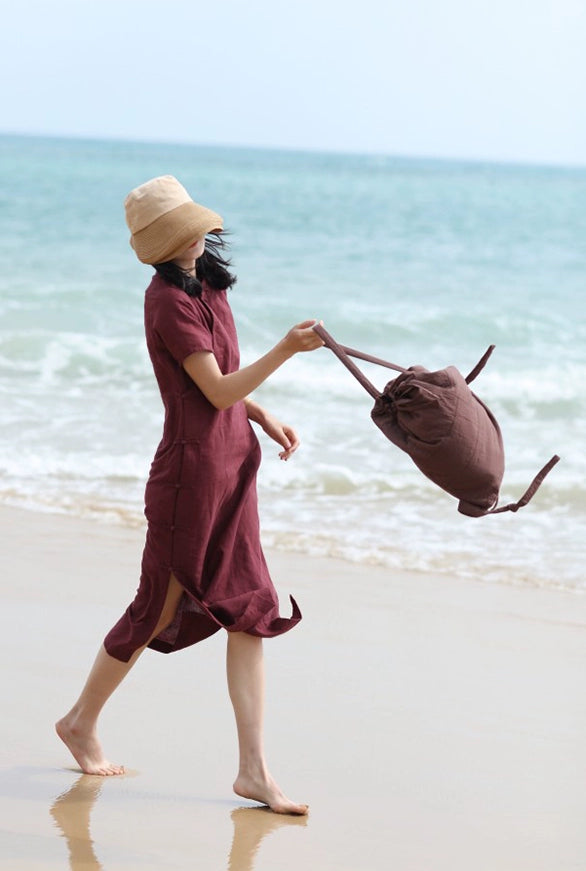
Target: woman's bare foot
(264,789)
(85,748)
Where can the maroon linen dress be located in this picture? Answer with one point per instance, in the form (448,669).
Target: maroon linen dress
(200,499)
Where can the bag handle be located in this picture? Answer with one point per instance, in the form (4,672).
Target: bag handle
(360,355)
(341,353)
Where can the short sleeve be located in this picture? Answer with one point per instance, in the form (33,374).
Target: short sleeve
(183,326)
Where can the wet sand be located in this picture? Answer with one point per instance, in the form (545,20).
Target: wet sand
(430,723)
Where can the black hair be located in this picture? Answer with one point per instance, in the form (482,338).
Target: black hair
(211,267)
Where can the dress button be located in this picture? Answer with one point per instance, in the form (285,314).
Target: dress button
(177,486)
(172,528)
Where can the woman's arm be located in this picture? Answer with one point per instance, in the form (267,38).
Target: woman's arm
(224,390)
(283,434)
(255,412)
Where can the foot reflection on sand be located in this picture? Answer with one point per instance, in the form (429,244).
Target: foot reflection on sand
(251,826)
(71,812)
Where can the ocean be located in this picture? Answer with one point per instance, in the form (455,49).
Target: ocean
(417,261)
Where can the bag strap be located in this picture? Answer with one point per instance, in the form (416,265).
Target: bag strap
(360,355)
(341,353)
(370,359)
(480,365)
(531,490)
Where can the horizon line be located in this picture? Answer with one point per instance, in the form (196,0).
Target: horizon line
(315,150)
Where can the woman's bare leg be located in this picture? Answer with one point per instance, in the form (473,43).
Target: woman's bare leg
(78,728)
(245,668)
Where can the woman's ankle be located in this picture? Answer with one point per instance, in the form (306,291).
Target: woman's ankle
(78,720)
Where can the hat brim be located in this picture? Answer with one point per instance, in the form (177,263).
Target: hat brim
(172,233)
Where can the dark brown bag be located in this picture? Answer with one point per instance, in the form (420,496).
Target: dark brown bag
(448,432)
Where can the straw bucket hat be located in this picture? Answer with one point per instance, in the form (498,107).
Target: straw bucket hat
(164,220)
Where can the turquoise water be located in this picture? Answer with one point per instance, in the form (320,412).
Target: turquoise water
(417,261)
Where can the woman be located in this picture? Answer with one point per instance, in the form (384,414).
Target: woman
(203,568)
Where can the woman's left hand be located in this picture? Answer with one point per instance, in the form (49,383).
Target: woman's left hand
(281,433)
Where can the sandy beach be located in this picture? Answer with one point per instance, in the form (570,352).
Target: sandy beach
(430,723)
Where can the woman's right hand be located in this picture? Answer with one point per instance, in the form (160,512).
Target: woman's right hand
(301,337)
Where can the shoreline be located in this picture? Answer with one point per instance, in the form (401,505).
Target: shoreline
(429,722)
(134,521)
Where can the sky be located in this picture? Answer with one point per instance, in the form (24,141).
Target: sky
(479,79)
